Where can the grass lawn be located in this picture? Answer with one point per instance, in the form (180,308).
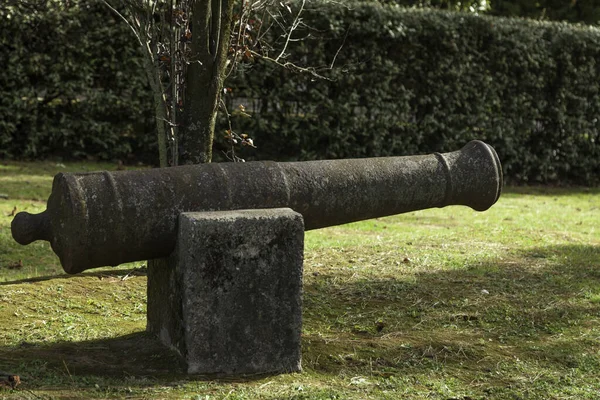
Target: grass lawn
(435,304)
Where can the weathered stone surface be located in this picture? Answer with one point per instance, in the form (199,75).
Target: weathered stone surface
(164,304)
(229,297)
(104,218)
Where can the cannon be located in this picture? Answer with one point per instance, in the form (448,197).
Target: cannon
(109,218)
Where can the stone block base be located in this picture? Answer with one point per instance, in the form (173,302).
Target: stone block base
(228,299)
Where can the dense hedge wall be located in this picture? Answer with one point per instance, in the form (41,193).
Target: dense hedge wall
(418,81)
(403,82)
(70,83)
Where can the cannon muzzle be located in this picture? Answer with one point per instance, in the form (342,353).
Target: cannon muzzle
(109,218)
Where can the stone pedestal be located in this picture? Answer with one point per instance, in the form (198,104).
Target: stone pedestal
(228,299)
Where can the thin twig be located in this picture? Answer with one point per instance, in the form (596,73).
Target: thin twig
(230,130)
(292,66)
(125,20)
(292,28)
(340,48)
(216,28)
(275,20)
(262,18)
(173,85)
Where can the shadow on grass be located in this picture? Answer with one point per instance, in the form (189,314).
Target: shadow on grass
(474,323)
(137,354)
(539,306)
(119,273)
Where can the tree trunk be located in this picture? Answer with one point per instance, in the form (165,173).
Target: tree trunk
(211,27)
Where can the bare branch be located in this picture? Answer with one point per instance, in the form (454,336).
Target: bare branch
(291,66)
(276,20)
(258,35)
(215,27)
(135,32)
(340,48)
(291,30)
(173,86)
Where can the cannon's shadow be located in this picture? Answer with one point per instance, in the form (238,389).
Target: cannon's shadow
(137,354)
(527,298)
(119,273)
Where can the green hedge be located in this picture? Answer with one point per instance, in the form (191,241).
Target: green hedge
(70,84)
(403,82)
(418,81)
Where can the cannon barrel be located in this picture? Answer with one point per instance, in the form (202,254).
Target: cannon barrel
(108,218)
